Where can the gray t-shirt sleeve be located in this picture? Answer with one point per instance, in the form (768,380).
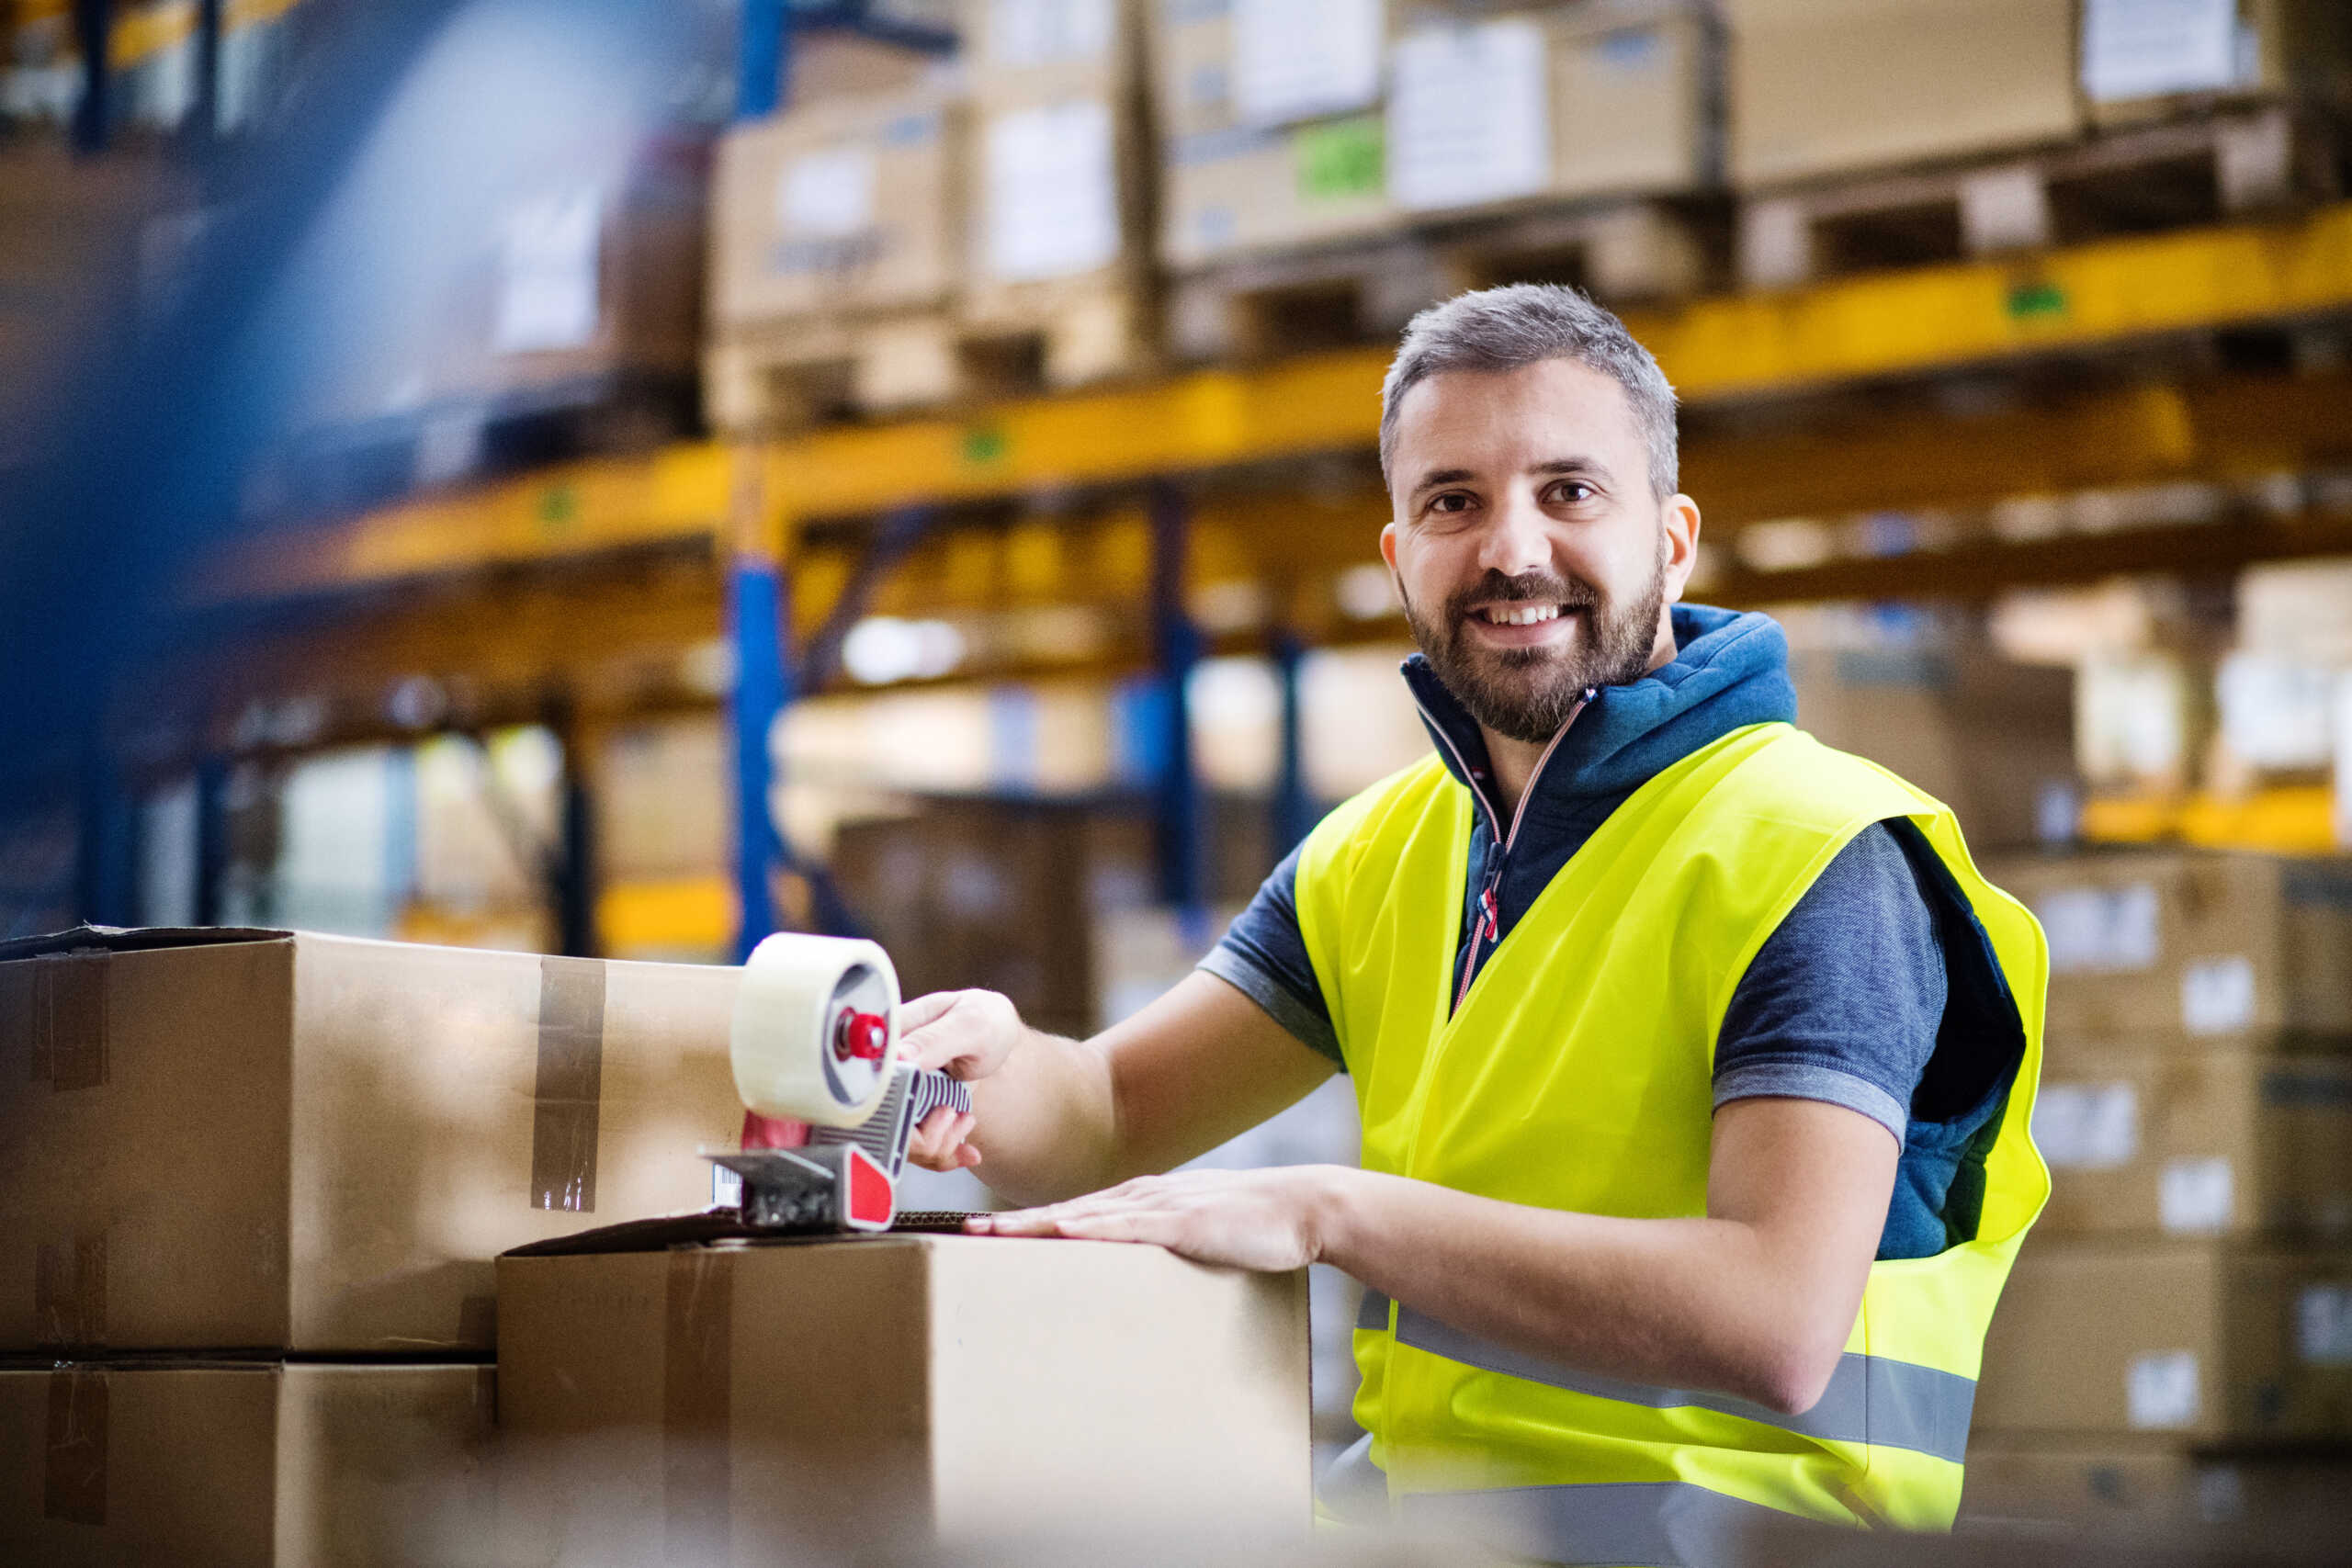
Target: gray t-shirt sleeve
(1263,957)
(1844,1000)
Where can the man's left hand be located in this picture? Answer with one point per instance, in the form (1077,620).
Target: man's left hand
(1242,1219)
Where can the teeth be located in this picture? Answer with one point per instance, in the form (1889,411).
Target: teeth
(1525,616)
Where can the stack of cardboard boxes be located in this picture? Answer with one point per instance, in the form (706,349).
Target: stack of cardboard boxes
(837,238)
(1873,132)
(251,1187)
(2177,1339)
(1291,130)
(917,230)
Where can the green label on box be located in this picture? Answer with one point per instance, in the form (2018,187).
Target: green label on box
(1340,159)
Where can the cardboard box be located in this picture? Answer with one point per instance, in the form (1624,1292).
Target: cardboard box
(2183,948)
(310,1466)
(1565,101)
(1636,98)
(749,1402)
(265,1140)
(2111,1483)
(1824,87)
(848,205)
(2227,1143)
(2141,62)
(2204,1340)
(1227,192)
(1990,739)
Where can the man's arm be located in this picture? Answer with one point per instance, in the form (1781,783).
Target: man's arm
(1053,1117)
(1754,1300)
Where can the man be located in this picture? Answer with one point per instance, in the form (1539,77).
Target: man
(1695,1059)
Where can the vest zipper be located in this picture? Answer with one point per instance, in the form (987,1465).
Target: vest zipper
(1487,932)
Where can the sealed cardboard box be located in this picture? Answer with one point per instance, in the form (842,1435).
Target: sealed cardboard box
(2151,1481)
(2225,1144)
(1237,189)
(1825,86)
(1990,739)
(310,1466)
(739,1404)
(2202,950)
(2141,62)
(270,1140)
(1618,97)
(1637,97)
(850,204)
(2204,1340)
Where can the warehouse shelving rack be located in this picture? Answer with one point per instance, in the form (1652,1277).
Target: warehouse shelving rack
(2122,331)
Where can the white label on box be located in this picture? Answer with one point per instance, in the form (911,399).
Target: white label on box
(2135,48)
(2276,712)
(726,1188)
(2086,1126)
(547,296)
(1296,59)
(2160,1390)
(2217,994)
(2095,930)
(826,195)
(2323,1326)
(1469,115)
(1044,32)
(2195,1195)
(1052,192)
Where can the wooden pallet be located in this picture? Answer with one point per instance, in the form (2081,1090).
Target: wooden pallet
(2159,177)
(1267,306)
(795,374)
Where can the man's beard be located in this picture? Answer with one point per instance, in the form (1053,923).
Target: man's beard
(1527,693)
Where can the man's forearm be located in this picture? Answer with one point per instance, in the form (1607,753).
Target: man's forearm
(1047,1126)
(1709,1303)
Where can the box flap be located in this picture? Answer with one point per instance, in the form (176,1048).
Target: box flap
(125,939)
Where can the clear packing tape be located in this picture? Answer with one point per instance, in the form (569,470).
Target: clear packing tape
(815,1031)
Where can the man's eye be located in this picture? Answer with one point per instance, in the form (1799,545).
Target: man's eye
(1573,493)
(1452,500)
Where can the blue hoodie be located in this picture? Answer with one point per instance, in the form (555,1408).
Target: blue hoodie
(1878,992)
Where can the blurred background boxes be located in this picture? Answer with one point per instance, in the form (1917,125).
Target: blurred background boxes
(367,1124)
(1826,86)
(2230,1143)
(225,1464)
(1059,283)
(2207,1340)
(838,241)
(2120,1483)
(2200,950)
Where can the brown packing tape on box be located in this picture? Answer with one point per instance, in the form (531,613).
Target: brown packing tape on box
(697,1361)
(568,1085)
(69,1021)
(70,1292)
(73,1475)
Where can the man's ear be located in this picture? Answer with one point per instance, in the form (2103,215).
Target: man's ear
(1680,543)
(1388,544)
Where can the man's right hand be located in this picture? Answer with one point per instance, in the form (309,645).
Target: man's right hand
(968,1035)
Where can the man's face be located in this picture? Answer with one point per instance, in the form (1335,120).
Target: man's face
(1532,558)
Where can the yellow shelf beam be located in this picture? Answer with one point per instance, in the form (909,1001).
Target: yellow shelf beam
(1737,347)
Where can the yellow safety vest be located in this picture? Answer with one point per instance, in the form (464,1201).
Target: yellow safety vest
(1577,1075)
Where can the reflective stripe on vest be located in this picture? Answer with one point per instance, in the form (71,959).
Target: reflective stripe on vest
(1637,1524)
(1870,1399)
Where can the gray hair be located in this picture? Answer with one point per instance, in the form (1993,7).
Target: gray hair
(1525,323)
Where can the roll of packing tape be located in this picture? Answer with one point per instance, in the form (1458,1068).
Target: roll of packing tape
(815,1023)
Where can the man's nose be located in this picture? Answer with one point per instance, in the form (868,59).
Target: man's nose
(1516,539)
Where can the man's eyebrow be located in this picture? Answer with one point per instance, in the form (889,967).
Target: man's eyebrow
(1436,476)
(1565,466)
